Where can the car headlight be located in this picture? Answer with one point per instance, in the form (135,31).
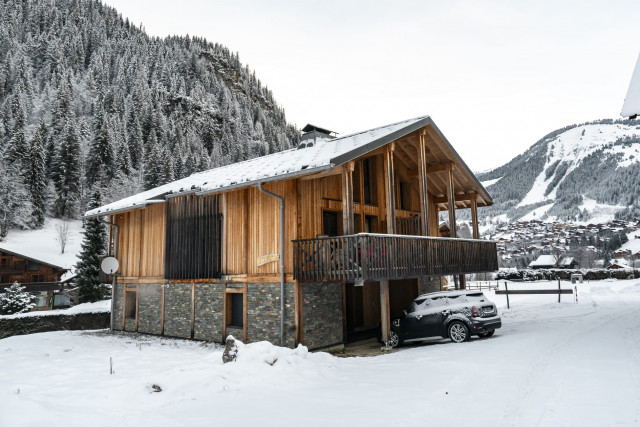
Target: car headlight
(396,322)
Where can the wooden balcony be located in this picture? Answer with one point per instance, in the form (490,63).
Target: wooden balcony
(374,257)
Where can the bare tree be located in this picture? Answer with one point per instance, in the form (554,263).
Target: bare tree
(62,234)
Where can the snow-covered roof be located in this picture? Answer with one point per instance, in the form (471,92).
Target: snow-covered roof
(326,154)
(631,105)
(543,260)
(30,258)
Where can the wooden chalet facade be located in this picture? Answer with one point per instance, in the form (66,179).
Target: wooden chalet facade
(200,257)
(39,277)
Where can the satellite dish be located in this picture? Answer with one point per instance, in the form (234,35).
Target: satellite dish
(110,265)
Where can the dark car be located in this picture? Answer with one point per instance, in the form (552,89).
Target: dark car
(455,314)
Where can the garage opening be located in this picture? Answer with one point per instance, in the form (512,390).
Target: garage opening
(363,307)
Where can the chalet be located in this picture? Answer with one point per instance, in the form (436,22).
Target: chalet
(314,245)
(39,277)
(551,261)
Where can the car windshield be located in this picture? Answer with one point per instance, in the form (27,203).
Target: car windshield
(415,304)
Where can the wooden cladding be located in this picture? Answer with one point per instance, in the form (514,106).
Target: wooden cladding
(194,238)
(375,257)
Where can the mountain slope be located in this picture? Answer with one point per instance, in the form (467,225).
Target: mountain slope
(587,172)
(106,107)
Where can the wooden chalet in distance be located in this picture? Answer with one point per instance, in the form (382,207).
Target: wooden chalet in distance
(37,276)
(314,245)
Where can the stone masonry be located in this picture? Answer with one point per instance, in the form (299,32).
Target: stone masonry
(322,314)
(429,284)
(150,308)
(263,313)
(118,305)
(177,310)
(208,312)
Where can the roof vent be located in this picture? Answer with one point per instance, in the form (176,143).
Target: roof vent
(311,135)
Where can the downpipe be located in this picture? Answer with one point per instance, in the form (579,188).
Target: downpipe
(115,255)
(281,199)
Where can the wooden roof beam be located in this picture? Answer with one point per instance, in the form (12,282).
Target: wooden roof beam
(466,197)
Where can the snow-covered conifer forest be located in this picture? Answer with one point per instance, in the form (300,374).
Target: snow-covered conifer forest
(88,102)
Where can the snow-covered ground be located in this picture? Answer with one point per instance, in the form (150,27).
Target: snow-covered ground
(554,364)
(43,244)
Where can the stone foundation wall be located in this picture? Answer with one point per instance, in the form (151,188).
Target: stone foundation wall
(177,310)
(118,306)
(208,312)
(429,284)
(263,313)
(55,322)
(322,314)
(150,308)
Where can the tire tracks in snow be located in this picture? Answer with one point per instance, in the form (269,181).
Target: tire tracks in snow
(601,318)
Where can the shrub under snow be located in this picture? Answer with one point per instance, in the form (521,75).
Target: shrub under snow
(16,300)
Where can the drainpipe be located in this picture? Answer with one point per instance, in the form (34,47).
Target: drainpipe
(281,259)
(115,254)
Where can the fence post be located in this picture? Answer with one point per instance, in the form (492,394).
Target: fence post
(558,290)
(576,292)
(506,292)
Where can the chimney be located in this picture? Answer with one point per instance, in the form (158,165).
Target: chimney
(311,135)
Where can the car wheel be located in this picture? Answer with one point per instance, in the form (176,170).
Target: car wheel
(394,339)
(487,334)
(458,332)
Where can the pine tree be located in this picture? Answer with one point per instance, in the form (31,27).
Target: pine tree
(67,174)
(35,176)
(93,248)
(16,300)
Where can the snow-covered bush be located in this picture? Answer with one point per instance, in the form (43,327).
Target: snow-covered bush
(16,300)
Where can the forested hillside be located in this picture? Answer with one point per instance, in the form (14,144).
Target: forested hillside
(89,101)
(586,172)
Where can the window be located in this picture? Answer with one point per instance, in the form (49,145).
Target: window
(331,223)
(356,183)
(369,181)
(235,309)
(405,195)
(33,266)
(4,279)
(370,224)
(130,304)
(37,278)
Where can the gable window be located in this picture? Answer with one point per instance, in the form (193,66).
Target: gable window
(193,238)
(405,196)
(369,181)
(33,266)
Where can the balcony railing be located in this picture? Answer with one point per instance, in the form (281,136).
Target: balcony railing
(374,257)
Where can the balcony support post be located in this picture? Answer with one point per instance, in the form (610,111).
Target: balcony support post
(474,216)
(422,176)
(389,180)
(348,227)
(452,222)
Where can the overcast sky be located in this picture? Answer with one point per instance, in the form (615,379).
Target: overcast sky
(495,76)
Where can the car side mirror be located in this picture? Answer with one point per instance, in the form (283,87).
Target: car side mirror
(404,313)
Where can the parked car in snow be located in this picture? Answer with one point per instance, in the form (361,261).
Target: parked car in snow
(455,314)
